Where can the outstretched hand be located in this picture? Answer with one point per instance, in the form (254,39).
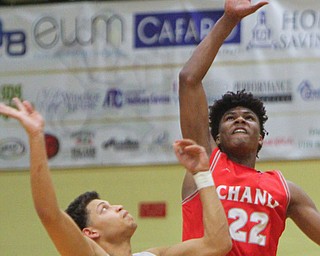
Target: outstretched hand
(29,118)
(192,156)
(238,9)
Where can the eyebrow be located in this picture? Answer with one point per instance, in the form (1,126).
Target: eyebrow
(98,205)
(234,112)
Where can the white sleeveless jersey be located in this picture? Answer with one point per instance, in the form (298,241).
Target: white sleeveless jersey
(143,254)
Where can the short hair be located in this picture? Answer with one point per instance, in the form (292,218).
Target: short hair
(231,100)
(77,208)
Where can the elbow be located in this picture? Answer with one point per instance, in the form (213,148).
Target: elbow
(46,216)
(219,246)
(186,79)
(43,214)
(220,249)
(227,246)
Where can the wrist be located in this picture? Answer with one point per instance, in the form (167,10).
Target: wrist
(203,179)
(230,21)
(36,134)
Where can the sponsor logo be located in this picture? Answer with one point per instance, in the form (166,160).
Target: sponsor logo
(121,145)
(307,92)
(51,32)
(54,100)
(92,38)
(314,132)
(116,98)
(52,145)
(83,138)
(9,91)
(12,41)
(278,141)
(83,145)
(177,28)
(84,152)
(267,90)
(308,144)
(298,29)
(11,148)
(261,34)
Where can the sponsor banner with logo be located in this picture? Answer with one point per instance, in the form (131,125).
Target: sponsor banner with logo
(104,76)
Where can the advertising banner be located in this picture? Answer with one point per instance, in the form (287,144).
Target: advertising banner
(104,76)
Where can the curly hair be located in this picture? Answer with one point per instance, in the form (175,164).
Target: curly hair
(231,100)
(77,209)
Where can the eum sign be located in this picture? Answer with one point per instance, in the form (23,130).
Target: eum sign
(177,28)
(48,32)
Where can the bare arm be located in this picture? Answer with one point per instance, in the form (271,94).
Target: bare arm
(304,213)
(193,103)
(216,240)
(194,116)
(64,233)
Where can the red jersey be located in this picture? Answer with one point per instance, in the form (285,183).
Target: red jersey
(255,204)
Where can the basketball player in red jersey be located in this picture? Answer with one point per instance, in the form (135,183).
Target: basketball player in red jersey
(256,203)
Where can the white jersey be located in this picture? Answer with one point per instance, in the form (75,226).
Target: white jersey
(143,254)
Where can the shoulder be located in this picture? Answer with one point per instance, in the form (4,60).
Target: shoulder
(296,193)
(299,200)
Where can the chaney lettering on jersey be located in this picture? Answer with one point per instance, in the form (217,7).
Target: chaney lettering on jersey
(246,194)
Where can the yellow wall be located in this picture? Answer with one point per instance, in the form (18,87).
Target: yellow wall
(22,234)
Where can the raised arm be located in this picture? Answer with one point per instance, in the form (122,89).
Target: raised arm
(193,103)
(194,116)
(64,233)
(216,240)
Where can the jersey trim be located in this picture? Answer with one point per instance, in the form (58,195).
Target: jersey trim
(215,160)
(285,186)
(211,169)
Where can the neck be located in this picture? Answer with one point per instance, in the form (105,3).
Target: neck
(121,248)
(242,158)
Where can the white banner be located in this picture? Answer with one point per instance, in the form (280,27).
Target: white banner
(103,74)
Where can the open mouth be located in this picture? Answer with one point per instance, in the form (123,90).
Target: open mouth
(240,130)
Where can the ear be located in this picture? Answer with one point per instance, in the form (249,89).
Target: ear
(260,140)
(217,140)
(91,233)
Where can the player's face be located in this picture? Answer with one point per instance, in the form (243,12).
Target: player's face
(239,130)
(110,220)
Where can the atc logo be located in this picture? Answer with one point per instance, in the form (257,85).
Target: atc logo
(116,98)
(14,41)
(113,98)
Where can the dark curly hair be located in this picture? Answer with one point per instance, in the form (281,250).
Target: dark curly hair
(231,100)
(77,209)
